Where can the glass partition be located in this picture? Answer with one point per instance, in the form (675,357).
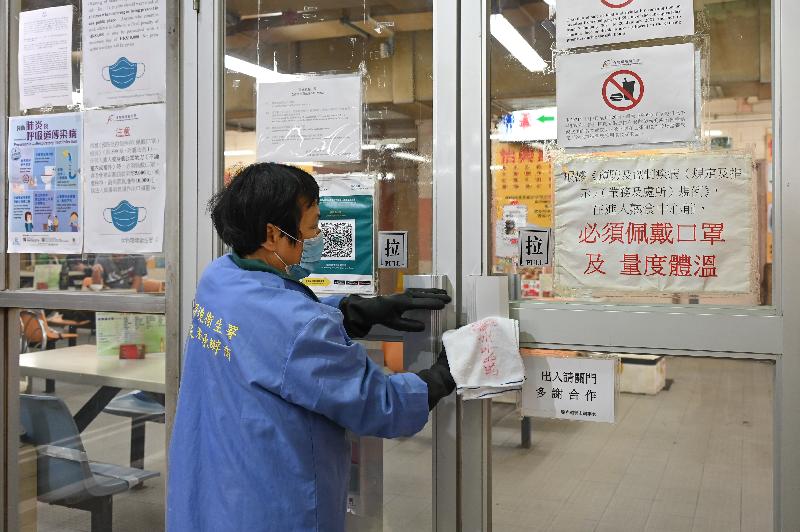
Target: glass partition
(93,272)
(90,386)
(691,443)
(734,106)
(92,415)
(388,48)
(691,449)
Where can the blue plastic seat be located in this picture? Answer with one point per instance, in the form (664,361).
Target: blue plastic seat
(141,407)
(65,476)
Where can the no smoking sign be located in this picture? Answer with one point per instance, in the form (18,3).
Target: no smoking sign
(617,4)
(623,90)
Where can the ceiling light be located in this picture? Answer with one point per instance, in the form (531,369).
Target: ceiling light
(715,133)
(503,31)
(239,153)
(411,157)
(262,75)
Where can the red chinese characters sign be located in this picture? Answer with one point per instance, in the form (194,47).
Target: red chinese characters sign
(675,223)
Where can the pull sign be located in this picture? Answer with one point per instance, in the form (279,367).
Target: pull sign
(535,246)
(393,249)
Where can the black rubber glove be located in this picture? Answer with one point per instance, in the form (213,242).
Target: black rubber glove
(361,313)
(439,380)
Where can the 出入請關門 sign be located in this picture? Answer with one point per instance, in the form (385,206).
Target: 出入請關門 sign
(595,22)
(669,223)
(619,97)
(581,388)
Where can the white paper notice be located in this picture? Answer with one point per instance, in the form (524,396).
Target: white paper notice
(125,185)
(636,96)
(124,52)
(44,184)
(583,389)
(45,57)
(316,119)
(668,224)
(594,22)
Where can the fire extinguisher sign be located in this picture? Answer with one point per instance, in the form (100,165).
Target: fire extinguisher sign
(627,97)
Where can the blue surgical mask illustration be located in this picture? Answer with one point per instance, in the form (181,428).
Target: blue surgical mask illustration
(125,216)
(123,73)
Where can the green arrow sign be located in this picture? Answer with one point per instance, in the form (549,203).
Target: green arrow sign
(545,118)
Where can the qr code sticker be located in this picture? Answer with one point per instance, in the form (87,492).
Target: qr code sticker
(340,239)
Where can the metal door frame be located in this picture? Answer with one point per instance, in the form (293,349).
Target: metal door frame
(757,333)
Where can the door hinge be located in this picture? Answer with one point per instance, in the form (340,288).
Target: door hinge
(196,5)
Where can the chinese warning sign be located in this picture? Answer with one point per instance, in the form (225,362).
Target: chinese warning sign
(670,223)
(594,22)
(580,388)
(636,96)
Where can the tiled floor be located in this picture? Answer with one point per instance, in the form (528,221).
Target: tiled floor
(694,458)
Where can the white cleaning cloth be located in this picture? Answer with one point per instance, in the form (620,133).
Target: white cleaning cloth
(484,358)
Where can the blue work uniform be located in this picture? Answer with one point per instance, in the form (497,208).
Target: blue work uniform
(270,382)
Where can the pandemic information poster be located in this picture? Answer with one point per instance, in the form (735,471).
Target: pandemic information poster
(347,206)
(44,184)
(125,181)
(124,52)
(656,223)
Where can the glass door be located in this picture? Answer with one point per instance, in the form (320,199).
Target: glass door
(345,90)
(691,449)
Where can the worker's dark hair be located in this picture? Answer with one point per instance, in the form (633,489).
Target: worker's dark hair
(261,194)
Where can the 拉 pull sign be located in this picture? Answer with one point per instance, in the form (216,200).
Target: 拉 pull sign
(535,246)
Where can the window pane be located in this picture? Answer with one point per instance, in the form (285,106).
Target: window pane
(391,45)
(691,449)
(93,272)
(92,418)
(735,43)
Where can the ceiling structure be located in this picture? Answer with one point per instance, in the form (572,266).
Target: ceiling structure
(391,40)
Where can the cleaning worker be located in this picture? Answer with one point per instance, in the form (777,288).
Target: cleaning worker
(271,378)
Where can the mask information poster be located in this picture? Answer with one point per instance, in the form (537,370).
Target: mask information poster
(44,184)
(124,52)
(45,57)
(346,204)
(124,186)
(657,224)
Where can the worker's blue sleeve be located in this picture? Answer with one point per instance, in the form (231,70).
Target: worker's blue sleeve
(327,374)
(332,301)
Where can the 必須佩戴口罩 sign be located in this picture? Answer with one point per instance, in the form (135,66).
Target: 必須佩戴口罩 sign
(668,224)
